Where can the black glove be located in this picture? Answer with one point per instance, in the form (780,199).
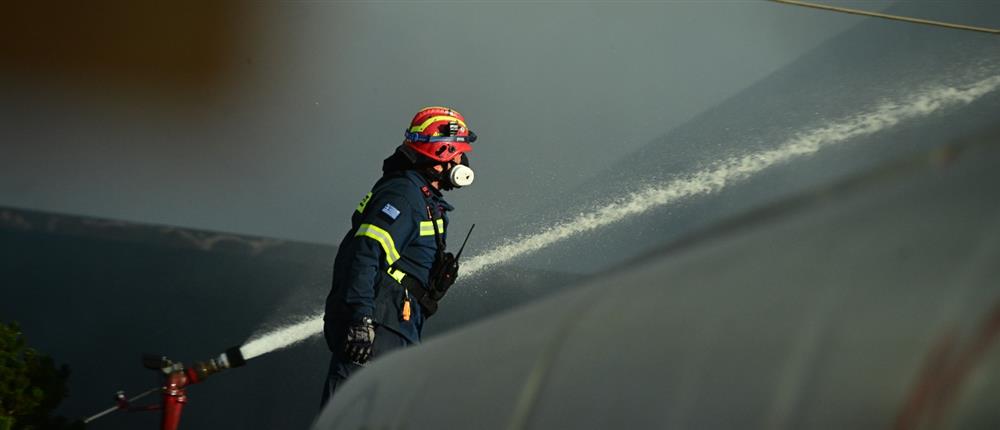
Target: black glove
(443,275)
(360,338)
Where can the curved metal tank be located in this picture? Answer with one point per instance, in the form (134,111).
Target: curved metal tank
(874,303)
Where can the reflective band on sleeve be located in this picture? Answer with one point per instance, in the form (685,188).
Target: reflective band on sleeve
(398,275)
(383,238)
(427,229)
(421,127)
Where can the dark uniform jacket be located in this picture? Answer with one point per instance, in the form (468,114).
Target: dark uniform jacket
(392,235)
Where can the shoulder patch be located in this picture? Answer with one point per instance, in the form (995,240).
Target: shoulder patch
(364,202)
(391,211)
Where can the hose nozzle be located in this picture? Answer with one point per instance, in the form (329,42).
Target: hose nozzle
(227,360)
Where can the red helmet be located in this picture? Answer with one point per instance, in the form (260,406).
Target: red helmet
(439,133)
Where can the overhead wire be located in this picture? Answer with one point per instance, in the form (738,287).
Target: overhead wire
(888,16)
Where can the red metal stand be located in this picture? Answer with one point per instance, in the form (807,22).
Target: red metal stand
(174,398)
(176,377)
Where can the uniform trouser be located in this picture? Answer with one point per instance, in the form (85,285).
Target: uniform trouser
(342,367)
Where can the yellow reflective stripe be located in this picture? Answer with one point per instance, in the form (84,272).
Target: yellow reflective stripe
(398,275)
(427,229)
(364,202)
(383,238)
(432,120)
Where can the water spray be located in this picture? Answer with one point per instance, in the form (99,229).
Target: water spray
(175,378)
(714,178)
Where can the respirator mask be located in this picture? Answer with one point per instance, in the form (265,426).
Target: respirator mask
(456,176)
(461,176)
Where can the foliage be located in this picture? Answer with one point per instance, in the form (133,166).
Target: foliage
(31,386)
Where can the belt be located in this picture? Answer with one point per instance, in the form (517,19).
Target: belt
(416,289)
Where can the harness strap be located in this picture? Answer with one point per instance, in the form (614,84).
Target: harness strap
(396,274)
(438,236)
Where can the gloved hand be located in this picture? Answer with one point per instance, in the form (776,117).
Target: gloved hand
(360,338)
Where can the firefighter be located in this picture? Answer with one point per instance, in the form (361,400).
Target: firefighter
(391,268)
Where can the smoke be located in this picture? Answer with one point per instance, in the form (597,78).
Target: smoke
(706,181)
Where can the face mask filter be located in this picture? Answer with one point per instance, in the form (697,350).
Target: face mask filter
(461,176)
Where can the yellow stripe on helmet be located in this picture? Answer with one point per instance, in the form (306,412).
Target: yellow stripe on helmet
(436,107)
(420,128)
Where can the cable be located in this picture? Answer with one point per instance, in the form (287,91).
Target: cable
(892,17)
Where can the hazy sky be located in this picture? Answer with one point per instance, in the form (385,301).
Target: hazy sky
(281,124)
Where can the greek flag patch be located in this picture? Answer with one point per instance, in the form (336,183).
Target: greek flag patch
(391,211)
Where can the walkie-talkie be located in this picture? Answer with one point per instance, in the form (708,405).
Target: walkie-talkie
(464,242)
(443,275)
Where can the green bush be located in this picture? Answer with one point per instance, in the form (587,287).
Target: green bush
(31,386)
